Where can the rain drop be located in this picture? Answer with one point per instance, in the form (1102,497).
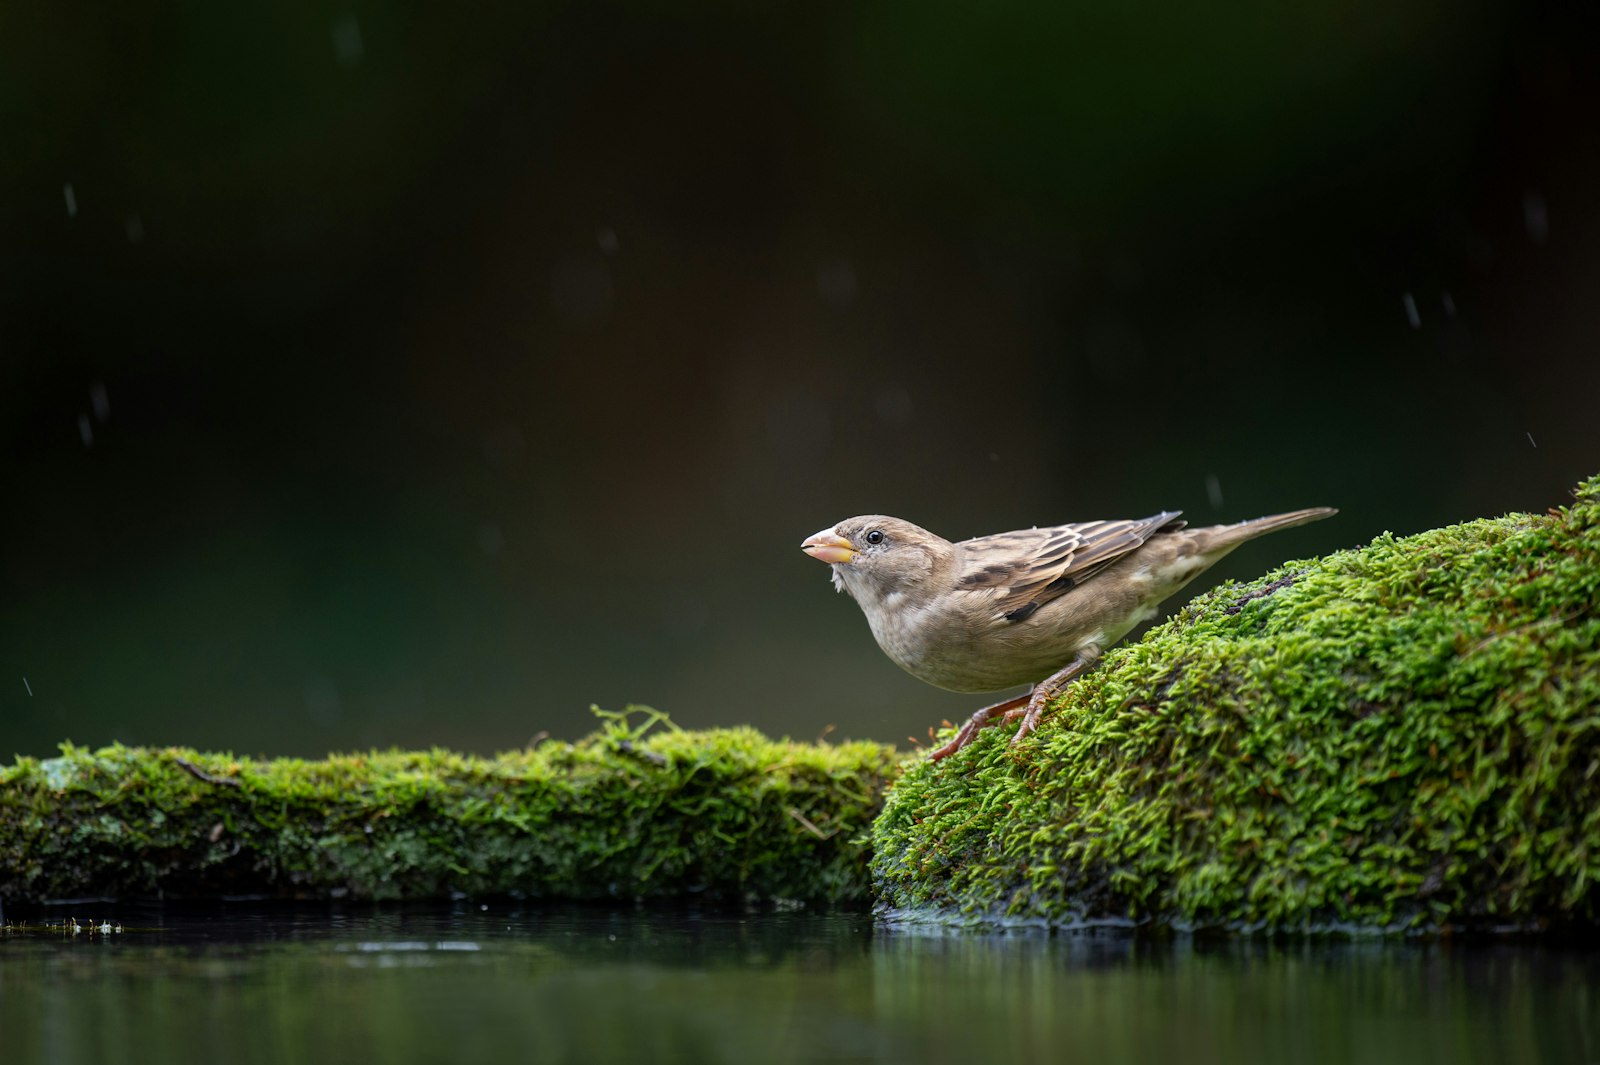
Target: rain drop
(1536,216)
(347,41)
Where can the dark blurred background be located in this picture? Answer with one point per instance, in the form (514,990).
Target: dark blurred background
(400,373)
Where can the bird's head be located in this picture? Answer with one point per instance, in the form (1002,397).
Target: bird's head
(874,555)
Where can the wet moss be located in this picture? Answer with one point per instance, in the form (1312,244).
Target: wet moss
(1403,736)
(630,812)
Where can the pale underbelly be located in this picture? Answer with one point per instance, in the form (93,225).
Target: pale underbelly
(1005,659)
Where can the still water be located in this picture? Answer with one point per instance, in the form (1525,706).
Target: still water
(518,983)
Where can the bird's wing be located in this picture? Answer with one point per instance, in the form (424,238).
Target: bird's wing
(1026,569)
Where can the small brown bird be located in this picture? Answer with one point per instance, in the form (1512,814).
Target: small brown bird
(1015,607)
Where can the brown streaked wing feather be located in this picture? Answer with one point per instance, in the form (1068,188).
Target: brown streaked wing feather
(1030,567)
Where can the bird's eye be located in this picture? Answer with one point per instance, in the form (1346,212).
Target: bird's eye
(875,536)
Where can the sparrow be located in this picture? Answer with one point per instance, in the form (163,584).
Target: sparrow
(1034,606)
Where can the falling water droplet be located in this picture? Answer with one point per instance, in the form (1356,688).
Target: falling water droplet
(347,41)
(1537,217)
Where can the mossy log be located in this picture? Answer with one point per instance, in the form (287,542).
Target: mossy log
(726,814)
(1403,737)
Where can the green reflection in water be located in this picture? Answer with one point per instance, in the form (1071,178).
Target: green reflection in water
(592,985)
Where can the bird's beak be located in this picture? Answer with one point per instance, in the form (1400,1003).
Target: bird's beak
(829,546)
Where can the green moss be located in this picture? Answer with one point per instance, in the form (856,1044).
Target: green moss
(1401,736)
(724,814)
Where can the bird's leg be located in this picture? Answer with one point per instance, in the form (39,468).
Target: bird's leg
(976,724)
(1049,688)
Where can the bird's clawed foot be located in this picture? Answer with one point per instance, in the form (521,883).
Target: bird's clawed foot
(1030,707)
(977,723)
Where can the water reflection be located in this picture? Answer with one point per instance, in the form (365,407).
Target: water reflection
(587,985)
(1114,997)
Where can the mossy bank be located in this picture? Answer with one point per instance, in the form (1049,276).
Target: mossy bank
(727,814)
(1404,736)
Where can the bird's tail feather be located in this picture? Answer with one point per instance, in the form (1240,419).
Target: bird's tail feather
(1227,537)
(1274,522)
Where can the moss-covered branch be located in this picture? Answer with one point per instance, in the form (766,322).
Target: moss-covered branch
(725,814)
(1405,735)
